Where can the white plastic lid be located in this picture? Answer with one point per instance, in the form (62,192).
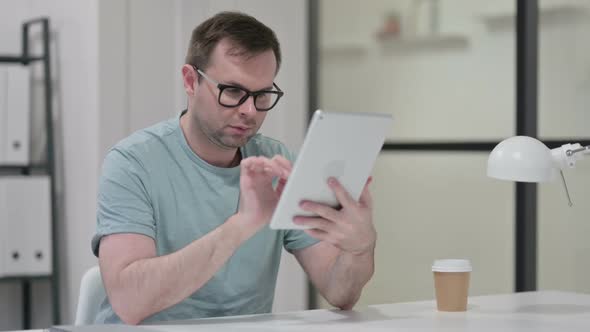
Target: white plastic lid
(451,265)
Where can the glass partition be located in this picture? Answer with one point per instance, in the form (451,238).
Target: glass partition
(445,70)
(564,114)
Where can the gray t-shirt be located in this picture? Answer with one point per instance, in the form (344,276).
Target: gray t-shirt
(153,184)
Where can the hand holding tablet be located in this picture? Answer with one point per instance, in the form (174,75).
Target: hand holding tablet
(340,145)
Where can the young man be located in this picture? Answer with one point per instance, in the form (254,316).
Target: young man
(184,206)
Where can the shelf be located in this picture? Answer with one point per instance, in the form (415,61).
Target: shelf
(26,277)
(424,43)
(397,44)
(18,59)
(548,14)
(37,169)
(344,48)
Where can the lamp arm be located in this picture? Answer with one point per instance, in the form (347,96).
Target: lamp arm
(567,155)
(585,150)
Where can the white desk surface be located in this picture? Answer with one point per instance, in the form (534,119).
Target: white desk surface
(532,311)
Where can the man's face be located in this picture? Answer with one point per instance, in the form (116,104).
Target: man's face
(227,127)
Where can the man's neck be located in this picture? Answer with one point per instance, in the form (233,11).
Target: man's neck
(206,149)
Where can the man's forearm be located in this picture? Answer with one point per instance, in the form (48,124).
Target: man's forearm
(148,286)
(347,277)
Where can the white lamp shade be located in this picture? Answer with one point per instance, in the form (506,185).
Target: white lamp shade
(521,158)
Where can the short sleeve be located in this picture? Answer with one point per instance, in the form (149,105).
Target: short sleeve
(296,239)
(124,204)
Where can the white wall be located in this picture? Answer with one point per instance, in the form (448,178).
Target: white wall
(75,67)
(116,70)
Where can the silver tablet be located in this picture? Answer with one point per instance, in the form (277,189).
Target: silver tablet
(340,145)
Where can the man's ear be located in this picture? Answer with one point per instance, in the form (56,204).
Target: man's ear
(189,76)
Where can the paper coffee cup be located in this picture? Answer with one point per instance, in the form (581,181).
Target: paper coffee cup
(451,283)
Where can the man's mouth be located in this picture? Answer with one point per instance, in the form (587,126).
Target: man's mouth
(240,130)
(242,127)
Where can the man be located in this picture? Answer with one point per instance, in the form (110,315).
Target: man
(184,206)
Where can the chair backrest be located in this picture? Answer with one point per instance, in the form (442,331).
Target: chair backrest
(92,293)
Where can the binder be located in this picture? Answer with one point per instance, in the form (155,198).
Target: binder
(25,231)
(15,115)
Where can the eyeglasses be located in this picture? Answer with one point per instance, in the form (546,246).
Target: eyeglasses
(234,96)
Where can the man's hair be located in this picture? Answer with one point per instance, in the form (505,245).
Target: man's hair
(249,36)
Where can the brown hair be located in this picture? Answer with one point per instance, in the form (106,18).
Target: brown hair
(250,37)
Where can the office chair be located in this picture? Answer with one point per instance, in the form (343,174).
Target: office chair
(92,293)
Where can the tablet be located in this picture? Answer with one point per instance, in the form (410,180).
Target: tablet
(340,145)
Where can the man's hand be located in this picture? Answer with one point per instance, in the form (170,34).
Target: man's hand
(351,228)
(258,198)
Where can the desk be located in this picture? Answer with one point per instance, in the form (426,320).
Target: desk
(532,311)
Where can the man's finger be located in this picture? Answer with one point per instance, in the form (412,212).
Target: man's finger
(271,167)
(283,164)
(314,223)
(263,165)
(259,166)
(281,186)
(322,210)
(341,194)
(246,165)
(283,161)
(366,199)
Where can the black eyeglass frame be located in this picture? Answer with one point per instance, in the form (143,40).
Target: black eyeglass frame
(278,92)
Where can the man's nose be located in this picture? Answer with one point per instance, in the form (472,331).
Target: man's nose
(248,108)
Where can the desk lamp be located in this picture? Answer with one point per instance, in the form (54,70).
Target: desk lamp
(525,159)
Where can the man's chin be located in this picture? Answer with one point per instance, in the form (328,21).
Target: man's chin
(236,142)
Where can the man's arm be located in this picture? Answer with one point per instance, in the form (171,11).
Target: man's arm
(343,262)
(139,284)
(338,276)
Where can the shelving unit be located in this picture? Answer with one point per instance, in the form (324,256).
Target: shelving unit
(46,168)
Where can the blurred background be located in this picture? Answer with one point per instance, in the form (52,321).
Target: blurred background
(445,69)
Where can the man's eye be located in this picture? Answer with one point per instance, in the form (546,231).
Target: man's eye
(234,92)
(264,97)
